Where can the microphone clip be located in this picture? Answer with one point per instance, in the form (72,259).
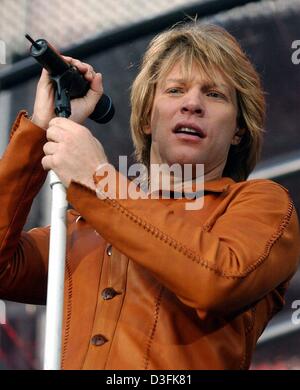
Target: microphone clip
(62,97)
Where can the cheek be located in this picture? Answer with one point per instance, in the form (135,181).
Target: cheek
(154,118)
(223,129)
(157,124)
(227,122)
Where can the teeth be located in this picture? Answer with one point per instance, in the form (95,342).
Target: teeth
(187,129)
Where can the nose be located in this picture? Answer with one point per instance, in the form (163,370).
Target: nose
(193,103)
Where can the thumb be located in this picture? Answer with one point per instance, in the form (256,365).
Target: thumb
(44,81)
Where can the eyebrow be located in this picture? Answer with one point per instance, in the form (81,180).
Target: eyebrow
(207,84)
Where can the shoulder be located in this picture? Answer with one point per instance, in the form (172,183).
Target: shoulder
(261,196)
(256,187)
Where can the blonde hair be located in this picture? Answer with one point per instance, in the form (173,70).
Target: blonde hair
(211,47)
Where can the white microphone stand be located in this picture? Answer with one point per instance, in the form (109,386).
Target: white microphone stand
(56,274)
(57,255)
(58,238)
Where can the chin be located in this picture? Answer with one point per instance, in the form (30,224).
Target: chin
(182,160)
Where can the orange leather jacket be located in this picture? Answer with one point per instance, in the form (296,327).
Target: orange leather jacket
(151,285)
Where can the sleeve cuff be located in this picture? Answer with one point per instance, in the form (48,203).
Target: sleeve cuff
(24,122)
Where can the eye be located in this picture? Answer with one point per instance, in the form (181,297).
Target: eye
(174,90)
(216,94)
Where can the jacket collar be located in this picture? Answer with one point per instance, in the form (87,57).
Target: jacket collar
(218,185)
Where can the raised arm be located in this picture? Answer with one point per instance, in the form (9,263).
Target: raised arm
(247,247)
(23,256)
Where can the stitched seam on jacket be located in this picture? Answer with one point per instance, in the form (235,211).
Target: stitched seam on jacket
(251,325)
(17,123)
(191,254)
(69,310)
(156,314)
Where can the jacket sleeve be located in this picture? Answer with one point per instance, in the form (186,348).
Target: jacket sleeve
(246,253)
(23,256)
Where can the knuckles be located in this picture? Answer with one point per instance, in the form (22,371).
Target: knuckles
(56,161)
(45,163)
(45,148)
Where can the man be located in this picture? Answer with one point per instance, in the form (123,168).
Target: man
(149,284)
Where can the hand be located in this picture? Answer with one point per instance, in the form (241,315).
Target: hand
(82,108)
(72,152)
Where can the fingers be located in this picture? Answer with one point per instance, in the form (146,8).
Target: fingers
(44,81)
(54,133)
(57,129)
(45,74)
(61,129)
(50,148)
(60,125)
(47,162)
(81,66)
(96,86)
(86,69)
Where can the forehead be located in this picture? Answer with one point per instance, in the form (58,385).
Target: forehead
(193,72)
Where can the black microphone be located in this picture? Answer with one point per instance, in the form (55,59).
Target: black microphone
(69,77)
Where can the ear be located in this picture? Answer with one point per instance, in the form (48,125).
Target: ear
(238,136)
(147,129)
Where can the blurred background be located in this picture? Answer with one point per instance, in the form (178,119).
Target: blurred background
(112,36)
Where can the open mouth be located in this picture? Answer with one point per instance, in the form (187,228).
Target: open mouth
(189,130)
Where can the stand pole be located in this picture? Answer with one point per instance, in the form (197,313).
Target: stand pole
(56,273)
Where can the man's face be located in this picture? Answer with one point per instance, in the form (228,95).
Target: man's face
(193,121)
